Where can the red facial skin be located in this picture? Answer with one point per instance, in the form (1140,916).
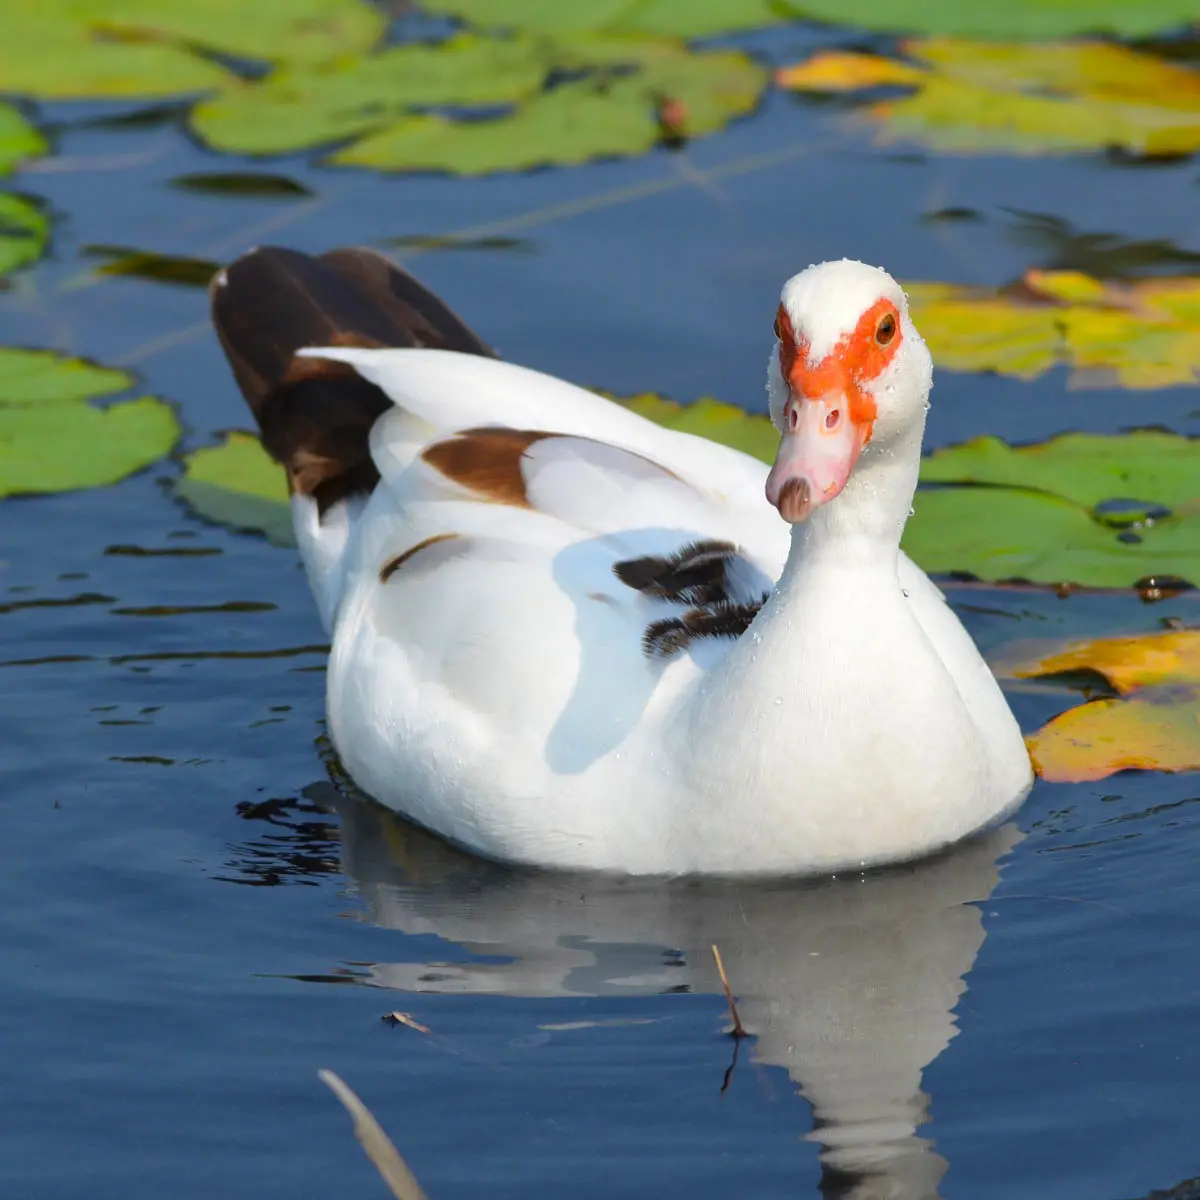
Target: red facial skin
(858,358)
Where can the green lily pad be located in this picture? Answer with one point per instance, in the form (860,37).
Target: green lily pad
(236,483)
(64,49)
(994,511)
(1030,20)
(24,229)
(1081,508)
(380,104)
(675,18)
(985,97)
(43,377)
(295,108)
(19,140)
(52,440)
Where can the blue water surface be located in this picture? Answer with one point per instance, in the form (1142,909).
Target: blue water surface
(195,919)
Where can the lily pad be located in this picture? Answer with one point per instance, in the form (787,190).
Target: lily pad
(676,18)
(1143,334)
(1022,99)
(24,228)
(1153,725)
(63,49)
(52,440)
(43,377)
(543,101)
(1044,513)
(236,483)
(19,140)
(1026,19)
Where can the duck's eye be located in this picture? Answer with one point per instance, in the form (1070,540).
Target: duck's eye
(886,329)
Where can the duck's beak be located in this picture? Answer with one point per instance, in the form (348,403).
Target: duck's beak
(819,448)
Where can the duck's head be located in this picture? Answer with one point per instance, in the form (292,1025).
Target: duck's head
(847,369)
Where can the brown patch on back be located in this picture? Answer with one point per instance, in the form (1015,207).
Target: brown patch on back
(487,462)
(315,416)
(392,565)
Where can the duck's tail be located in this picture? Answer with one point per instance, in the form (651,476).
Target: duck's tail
(314,415)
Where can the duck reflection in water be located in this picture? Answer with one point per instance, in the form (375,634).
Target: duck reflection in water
(849,984)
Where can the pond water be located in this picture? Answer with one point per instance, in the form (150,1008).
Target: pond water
(195,918)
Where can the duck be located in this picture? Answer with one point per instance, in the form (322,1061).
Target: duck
(565,637)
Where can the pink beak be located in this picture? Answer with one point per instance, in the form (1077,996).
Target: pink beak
(819,448)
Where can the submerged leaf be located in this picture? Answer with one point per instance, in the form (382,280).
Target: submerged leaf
(1144,334)
(24,229)
(1017,98)
(159,268)
(1154,726)
(51,440)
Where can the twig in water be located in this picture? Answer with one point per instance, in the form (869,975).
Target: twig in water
(401,1018)
(391,1167)
(738,1030)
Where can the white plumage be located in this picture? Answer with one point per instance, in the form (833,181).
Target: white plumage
(489,675)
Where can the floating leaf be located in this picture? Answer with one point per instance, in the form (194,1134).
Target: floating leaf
(63,49)
(675,18)
(1127,663)
(1154,726)
(1136,335)
(1046,513)
(1023,99)
(43,377)
(295,109)
(24,229)
(51,440)
(1027,19)
(235,483)
(605,99)
(19,140)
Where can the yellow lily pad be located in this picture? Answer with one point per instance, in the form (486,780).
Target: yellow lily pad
(1153,725)
(52,440)
(1127,663)
(1144,334)
(1019,98)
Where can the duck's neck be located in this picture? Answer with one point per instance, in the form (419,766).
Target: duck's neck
(838,589)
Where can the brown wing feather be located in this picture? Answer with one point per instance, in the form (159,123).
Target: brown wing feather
(315,417)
